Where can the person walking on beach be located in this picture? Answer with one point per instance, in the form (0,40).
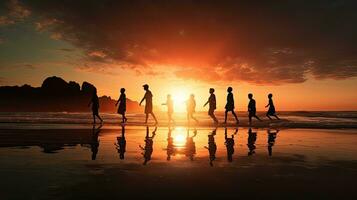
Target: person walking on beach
(191,106)
(148,103)
(230,105)
(95,106)
(122,105)
(252,109)
(212,105)
(271,110)
(170,108)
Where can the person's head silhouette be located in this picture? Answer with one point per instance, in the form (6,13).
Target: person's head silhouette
(250,95)
(146,87)
(270,95)
(169,96)
(122,90)
(211,90)
(229,89)
(192,96)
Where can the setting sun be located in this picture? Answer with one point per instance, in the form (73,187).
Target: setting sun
(179,96)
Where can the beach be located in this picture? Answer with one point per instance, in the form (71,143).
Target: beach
(79,161)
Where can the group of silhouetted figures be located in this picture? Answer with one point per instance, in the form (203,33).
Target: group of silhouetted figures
(190,106)
(189,148)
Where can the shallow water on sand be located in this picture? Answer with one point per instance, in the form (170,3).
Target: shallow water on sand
(54,161)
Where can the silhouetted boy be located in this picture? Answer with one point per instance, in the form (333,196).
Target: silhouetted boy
(191,106)
(148,103)
(230,105)
(122,105)
(95,106)
(212,105)
(252,109)
(271,110)
(170,108)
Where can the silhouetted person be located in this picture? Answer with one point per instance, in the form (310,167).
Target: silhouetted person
(170,108)
(95,106)
(121,143)
(212,147)
(271,140)
(122,105)
(252,137)
(170,150)
(230,105)
(148,103)
(95,141)
(148,149)
(229,144)
(252,109)
(212,105)
(271,110)
(190,150)
(191,107)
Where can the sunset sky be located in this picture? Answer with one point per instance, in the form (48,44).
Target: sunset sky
(303,53)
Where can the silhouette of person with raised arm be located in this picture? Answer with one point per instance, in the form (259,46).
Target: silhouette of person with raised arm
(95,106)
(148,148)
(229,142)
(122,105)
(252,109)
(94,145)
(271,110)
(230,105)
(212,105)
(148,103)
(121,143)
(170,108)
(190,150)
(170,149)
(252,137)
(191,107)
(271,140)
(212,147)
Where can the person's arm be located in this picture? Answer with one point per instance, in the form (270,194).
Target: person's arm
(119,99)
(206,102)
(142,100)
(268,104)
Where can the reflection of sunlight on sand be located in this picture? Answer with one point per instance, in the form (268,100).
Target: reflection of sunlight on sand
(179,137)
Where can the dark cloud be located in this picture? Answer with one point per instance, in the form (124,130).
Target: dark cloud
(261,42)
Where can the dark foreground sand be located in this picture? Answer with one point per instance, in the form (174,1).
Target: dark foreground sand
(57,164)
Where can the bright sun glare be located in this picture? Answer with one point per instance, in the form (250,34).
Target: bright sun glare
(179,96)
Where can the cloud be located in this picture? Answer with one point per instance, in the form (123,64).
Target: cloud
(256,42)
(15,11)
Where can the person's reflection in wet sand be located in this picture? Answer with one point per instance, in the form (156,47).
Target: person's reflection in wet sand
(121,143)
(170,150)
(212,147)
(229,142)
(271,140)
(252,137)
(95,141)
(148,148)
(190,150)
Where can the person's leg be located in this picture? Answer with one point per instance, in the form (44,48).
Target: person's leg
(214,117)
(268,116)
(257,117)
(146,118)
(250,119)
(225,116)
(122,118)
(194,118)
(153,115)
(235,116)
(276,116)
(93,118)
(99,118)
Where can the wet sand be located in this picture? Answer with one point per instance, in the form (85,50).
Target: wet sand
(85,163)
